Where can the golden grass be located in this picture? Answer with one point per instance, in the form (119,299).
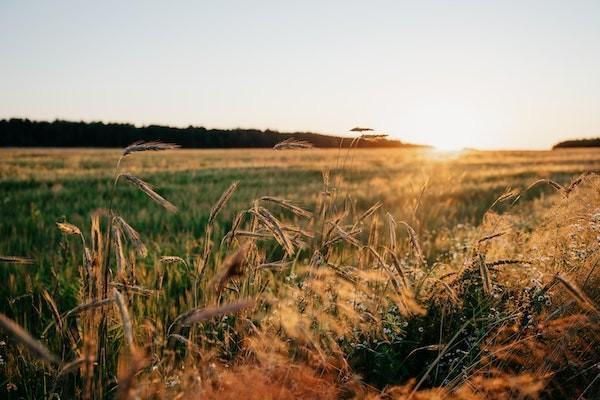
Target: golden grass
(328,299)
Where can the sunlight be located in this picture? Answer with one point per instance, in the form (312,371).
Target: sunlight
(449,146)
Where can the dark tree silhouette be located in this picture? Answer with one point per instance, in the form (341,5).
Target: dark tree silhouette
(595,142)
(26,133)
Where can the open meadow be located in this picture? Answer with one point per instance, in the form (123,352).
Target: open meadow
(313,273)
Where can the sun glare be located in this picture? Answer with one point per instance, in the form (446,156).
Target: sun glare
(448,147)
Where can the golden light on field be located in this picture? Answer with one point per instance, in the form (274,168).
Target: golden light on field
(451,123)
(448,146)
(425,216)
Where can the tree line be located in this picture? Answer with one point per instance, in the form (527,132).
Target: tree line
(594,142)
(17,132)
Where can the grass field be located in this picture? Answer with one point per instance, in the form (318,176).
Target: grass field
(448,287)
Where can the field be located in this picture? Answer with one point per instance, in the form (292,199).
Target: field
(400,273)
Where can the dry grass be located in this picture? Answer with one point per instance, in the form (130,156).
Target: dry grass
(325,300)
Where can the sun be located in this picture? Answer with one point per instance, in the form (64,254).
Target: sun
(450,142)
(449,147)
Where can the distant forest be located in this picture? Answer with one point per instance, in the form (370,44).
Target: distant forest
(26,133)
(578,143)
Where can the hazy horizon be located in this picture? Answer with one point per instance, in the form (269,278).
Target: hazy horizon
(516,75)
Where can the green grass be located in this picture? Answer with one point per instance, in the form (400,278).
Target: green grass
(444,196)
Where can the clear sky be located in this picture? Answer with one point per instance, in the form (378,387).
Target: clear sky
(487,74)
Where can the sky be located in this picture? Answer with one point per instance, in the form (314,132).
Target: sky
(484,74)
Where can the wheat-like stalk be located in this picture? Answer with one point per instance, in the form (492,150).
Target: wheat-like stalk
(201,314)
(222,201)
(186,342)
(172,260)
(584,301)
(359,129)
(133,236)
(414,241)
(68,229)
(72,230)
(254,235)
(343,235)
(576,182)
(22,336)
(299,211)
(53,309)
(369,212)
(400,271)
(507,195)
(557,186)
(274,226)
(15,260)
(74,365)
(119,251)
(135,361)
(233,266)
(274,266)
(485,275)
(132,288)
(374,137)
(149,191)
(237,221)
(91,305)
(506,261)
(293,144)
(125,319)
(148,146)
(490,237)
(298,231)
